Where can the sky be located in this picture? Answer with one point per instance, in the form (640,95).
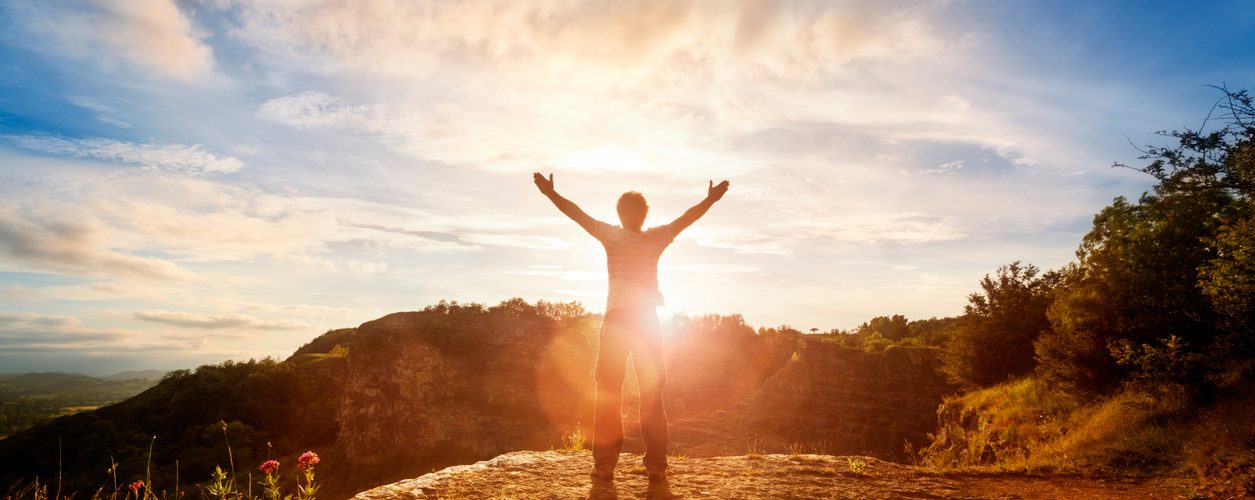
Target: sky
(186,182)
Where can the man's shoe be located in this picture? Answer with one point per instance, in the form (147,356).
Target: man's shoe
(602,473)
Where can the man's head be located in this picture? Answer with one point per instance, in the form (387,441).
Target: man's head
(632,209)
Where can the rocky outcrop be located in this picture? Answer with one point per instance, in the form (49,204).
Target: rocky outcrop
(433,388)
(452,385)
(832,399)
(564,475)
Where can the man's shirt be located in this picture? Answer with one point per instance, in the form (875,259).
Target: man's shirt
(632,262)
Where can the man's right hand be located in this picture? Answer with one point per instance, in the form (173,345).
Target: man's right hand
(715,193)
(545,185)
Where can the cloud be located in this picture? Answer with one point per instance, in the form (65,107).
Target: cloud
(66,245)
(36,331)
(348,265)
(946,168)
(718,268)
(151,35)
(215,322)
(787,235)
(316,110)
(518,240)
(441,236)
(880,228)
(169,157)
(104,112)
(620,86)
(654,40)
(565,275)
(10,320)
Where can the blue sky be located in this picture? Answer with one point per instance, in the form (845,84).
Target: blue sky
(189,182)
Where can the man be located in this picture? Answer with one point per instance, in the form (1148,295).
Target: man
(631,322)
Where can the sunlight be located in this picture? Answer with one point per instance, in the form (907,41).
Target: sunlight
(666,314)
(607,158)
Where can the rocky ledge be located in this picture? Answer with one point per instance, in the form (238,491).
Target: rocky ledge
(562,475)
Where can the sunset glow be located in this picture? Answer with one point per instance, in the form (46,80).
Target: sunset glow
(193,181)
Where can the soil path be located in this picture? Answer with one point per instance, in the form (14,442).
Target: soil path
(564,475)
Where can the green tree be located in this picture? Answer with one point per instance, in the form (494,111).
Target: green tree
(1159,293)
(893,327)
(993,340)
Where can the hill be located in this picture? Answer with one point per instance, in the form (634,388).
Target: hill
(392,398)
(29,399)
(153,375)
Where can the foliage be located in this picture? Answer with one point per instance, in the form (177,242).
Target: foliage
(1228,281)
(893,328)
(1029,424)
(882,332)
(993,340)
(260,401)
(1160,297)
(856,464)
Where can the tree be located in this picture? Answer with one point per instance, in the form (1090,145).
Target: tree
(993,340)
(1160,292)
(893,327)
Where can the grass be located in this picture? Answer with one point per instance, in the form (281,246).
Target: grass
(754,449)
(222,484)
(1027,426)
(574,440)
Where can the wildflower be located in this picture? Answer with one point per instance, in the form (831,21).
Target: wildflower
(308,459)
(269,467)
(136,486)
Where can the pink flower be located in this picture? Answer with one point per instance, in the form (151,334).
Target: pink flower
(136,485)
(269,467)
(308,459)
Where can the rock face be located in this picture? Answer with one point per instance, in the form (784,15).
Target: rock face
(453,385)
(563,475)
(834,399)
(434,388)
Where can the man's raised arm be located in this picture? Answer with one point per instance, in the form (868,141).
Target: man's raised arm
(713,194)
(566,206)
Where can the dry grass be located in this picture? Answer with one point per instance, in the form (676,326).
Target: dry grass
(1027,426)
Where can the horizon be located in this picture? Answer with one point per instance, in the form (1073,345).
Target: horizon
(187,183)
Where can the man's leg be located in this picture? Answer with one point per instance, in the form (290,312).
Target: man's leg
(612,351)
(651,375)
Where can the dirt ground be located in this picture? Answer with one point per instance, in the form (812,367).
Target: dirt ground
(564,475)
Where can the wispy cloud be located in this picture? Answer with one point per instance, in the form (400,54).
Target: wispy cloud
(76,247)
(38,331)
(620,39)
(104,112)
(183,158)
(154,36)
(215,322)
(316,110)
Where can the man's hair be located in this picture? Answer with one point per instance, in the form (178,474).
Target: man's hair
(632,200)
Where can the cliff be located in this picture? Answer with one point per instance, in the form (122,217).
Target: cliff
(455,385)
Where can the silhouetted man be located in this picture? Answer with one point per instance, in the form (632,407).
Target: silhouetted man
(631,322)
